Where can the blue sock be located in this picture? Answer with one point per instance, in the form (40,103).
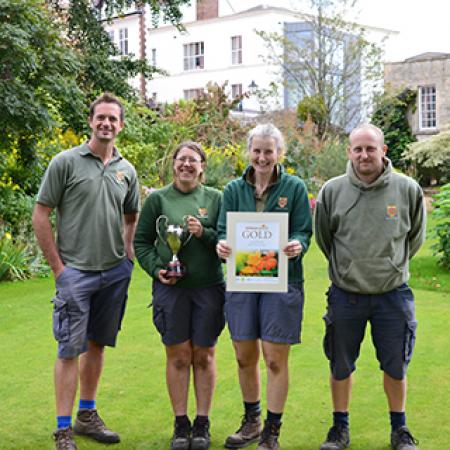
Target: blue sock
(63,422)
(274,417)
(86,404)
(398,419)
(340,419)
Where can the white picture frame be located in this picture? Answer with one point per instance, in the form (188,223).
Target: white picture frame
(257,263)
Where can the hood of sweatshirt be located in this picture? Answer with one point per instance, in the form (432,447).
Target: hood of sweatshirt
(380,182)
(359,186)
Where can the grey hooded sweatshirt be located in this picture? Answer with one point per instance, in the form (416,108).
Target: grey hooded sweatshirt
(368,232)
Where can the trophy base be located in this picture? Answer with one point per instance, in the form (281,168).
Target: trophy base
(175,270)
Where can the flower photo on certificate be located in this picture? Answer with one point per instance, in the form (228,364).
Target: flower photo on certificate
(257,262)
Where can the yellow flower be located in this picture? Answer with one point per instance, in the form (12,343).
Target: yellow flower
(8,235)
(290,170)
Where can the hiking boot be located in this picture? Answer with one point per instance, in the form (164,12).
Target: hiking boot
(181,436)
(64,439)
(338,438)
(269,437)
(402,439)
(90,424)
(247,434)
(201,439)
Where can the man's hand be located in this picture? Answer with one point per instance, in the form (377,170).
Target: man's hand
(223,249)
(293,249)
(58,271)
(194,226)
(168,281)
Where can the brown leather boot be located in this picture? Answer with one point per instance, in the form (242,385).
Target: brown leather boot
(90,424)
(249,432)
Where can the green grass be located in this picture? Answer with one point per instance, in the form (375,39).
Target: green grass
(133,398)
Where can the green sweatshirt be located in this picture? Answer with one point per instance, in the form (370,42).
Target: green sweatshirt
(199,254)
(287,194)
(368,232)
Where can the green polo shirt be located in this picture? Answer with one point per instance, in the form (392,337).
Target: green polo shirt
(90,200)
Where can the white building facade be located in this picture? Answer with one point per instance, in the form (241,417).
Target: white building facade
(220,45)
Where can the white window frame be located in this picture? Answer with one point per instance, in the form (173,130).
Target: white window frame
(194,56)
(123,41)
(427,107)
(153,60)
(236,50)
(111,35)
(192,94)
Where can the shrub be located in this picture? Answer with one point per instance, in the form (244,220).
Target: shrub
(442,229)
(224,164)
(314,159)
(431,159)
(15,211)
(13,259)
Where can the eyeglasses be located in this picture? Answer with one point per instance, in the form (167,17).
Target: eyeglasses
(184,160)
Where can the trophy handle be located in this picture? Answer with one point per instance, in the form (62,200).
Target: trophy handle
(166,220)
(185,225)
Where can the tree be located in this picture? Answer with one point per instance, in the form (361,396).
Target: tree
(102,68)
(326,58)
(391,115)
(38,88)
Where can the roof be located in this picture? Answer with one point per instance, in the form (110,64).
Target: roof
(428,56)
(265,7)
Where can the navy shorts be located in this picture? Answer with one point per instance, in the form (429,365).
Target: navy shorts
(182,314)
(89,305)
(393,326)
(270,316)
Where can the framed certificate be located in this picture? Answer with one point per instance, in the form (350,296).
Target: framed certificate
(257,263)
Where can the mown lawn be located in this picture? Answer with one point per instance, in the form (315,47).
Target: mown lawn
(133,396)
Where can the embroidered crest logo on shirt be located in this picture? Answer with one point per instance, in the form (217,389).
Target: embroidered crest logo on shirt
(120,175)
(391,211)
(282,202)
(202,213)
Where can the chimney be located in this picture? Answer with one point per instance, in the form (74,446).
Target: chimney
(207,9)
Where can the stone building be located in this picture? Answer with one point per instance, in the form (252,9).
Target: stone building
(429,74)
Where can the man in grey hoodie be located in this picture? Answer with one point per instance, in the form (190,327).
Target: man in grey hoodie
(369,223)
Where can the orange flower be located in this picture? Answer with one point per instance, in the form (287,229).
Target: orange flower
(271,263)
(254,258)
(247,270)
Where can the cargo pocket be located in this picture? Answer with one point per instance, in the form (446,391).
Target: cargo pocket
(410,339)
(61,329)
(328,339)
(159,319)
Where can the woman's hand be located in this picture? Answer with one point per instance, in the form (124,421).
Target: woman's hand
(168,281)
(194,226)
(223,249)
(293,249)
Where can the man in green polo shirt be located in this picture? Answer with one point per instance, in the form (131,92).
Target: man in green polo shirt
(96,197)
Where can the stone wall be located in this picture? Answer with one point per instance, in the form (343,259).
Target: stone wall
(415,73)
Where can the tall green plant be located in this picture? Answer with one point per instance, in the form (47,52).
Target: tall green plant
(442,229)
(391,115)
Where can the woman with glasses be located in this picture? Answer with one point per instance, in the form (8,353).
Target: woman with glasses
(267,323)
(187,309)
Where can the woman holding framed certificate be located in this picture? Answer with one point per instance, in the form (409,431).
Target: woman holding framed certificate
(175,244)
(267,321)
